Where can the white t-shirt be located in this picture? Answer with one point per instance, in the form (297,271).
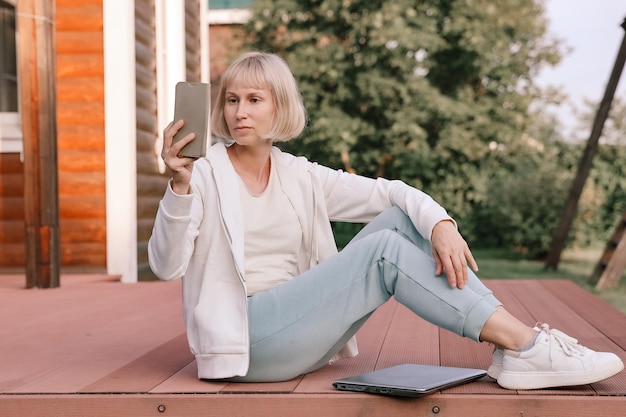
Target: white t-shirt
(272,236)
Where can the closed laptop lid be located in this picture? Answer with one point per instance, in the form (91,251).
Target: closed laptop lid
(411,380)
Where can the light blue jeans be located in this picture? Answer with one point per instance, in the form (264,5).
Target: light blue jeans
(298,326)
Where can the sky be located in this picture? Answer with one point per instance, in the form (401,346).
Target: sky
(592,31)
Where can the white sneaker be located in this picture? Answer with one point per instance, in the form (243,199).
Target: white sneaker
(556,360)
(496,363)
(498,357)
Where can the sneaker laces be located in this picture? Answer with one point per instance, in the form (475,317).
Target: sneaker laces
(568,344)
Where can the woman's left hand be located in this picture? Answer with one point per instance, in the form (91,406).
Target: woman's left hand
(452,254)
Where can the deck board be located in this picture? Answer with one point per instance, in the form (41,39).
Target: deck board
(400,346)
(98,347)
(607,319)
(141,375)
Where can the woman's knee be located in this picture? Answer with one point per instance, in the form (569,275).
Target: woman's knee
(381,241)
(402,224)
(396,221)
(392,218)
(394,214)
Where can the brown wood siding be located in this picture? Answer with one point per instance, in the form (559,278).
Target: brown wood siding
(150,182)
(193,46)
(81,138)
(80,121)
(80,142)
(12,247)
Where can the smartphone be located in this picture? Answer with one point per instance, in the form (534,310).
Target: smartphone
(192,104)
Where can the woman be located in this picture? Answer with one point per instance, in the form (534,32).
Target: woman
(266,295)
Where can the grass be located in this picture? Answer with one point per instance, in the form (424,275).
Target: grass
(576,265)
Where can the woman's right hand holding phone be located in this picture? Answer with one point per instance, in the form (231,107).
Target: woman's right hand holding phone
(180,166)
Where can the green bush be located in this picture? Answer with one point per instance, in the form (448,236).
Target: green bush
(520,208)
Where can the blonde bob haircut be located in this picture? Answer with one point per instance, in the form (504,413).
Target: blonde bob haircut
(264,70)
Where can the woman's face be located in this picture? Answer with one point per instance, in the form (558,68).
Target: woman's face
(249,113)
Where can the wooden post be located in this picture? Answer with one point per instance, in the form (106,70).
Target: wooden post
(613,262)
(571,206)
(36,55)
(611,276)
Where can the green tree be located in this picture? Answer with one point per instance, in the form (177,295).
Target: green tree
(605,189)
(411,89)
(523,202)
(435,92)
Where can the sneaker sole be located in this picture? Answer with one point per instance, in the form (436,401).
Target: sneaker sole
(538,380)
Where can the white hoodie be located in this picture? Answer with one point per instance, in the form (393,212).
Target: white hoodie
(199,237)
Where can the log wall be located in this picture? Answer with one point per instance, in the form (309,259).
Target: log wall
(150,181)
(80,121)
(80,141)
(12,234)
(81,138)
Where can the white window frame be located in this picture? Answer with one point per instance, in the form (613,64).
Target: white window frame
(229,16)
(11,133)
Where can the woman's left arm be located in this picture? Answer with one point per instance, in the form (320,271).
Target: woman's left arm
(355,198)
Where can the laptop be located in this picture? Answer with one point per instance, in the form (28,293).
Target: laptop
(409,380)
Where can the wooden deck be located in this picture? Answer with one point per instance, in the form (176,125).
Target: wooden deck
(96,347)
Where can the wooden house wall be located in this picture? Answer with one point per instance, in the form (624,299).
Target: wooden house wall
(193,45)
(81,143)
(81,138)
(12,248)
(150,181)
